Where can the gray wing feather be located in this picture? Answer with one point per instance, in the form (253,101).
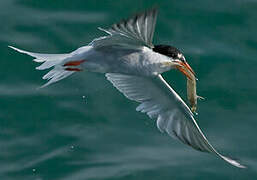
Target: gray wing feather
(135,32)
(140,27)
(159,101)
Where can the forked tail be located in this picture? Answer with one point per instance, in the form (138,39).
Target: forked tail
(62,64)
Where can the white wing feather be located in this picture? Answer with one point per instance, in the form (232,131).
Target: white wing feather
(133,33)
(158,100)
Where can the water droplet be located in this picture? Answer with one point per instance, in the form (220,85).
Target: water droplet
(84,98)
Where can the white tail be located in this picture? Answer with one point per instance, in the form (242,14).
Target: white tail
(50,60)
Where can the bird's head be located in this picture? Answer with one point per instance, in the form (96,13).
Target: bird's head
(177,59)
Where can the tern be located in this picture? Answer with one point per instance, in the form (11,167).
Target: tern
(133,64)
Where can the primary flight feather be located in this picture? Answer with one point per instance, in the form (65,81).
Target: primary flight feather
(134,66)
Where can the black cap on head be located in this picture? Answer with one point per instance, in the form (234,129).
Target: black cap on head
(167,50)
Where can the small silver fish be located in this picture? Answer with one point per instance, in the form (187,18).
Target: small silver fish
(191,93)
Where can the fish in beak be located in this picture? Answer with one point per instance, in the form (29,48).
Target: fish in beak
(185,68)
(192,97)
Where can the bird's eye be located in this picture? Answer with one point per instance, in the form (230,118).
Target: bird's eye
(173,55)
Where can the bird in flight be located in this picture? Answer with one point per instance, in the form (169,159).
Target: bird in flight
(134,66)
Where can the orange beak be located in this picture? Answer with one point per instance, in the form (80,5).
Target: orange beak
(186,69)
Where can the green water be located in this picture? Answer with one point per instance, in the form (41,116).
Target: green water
(82,128)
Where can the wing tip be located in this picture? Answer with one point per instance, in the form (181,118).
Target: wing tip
(153,11)
(233,162)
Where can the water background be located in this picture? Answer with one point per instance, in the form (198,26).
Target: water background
(84,129)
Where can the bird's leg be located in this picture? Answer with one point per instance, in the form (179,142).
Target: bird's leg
(73,69)
(74,63)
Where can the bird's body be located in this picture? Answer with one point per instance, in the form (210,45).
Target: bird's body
(134,65)
(142,62)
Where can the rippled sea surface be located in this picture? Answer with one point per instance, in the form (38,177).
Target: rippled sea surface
(82,128)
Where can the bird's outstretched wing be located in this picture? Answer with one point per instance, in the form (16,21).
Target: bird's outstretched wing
(159,101)
(132,33)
